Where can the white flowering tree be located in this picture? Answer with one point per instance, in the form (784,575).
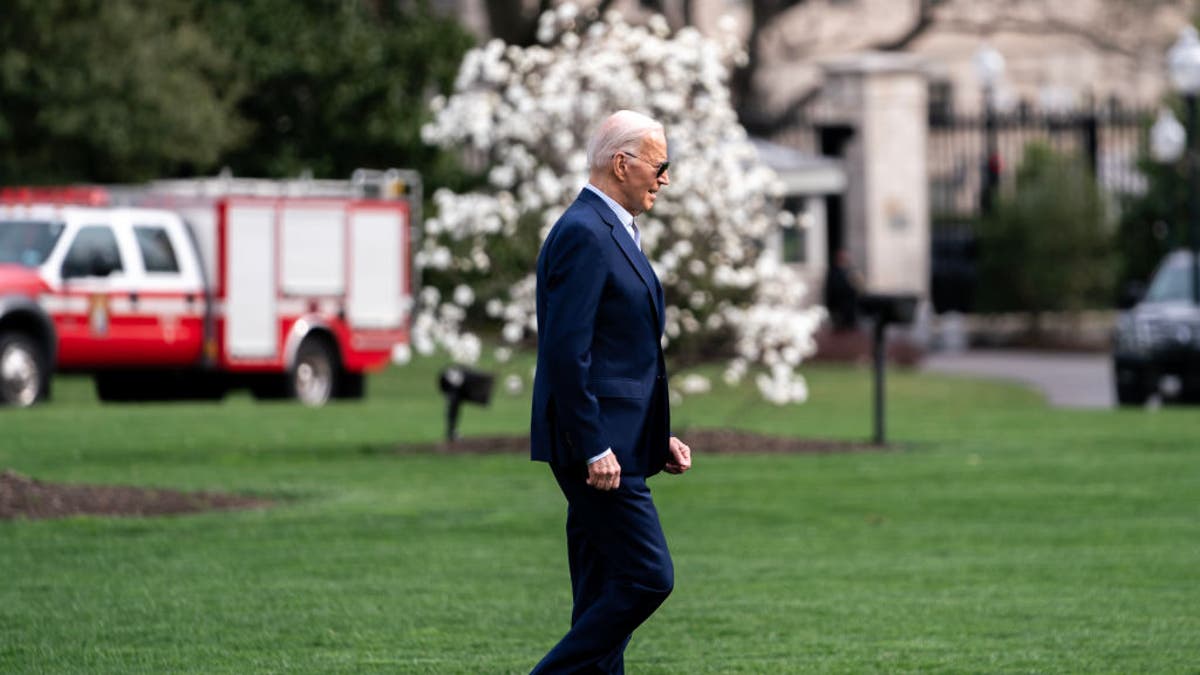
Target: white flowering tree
(529,112)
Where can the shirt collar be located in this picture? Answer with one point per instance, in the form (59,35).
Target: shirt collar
(625,217)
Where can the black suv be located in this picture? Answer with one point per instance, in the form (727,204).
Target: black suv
(1156,346)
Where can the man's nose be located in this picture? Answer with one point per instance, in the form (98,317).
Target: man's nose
(664,178)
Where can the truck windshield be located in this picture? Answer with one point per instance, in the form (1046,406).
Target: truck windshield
(1173,282)
(28,242)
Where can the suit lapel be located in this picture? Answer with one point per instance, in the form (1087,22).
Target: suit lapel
(642,266)
(636,258)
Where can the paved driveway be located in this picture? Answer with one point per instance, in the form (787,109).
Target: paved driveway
(1067,380)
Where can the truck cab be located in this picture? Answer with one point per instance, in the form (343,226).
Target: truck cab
(187,289)
(116,286)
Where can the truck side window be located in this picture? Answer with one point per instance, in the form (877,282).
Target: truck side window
(155,244)
(94,253)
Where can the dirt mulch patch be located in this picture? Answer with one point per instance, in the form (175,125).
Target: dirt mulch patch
(702,441)
(25,497)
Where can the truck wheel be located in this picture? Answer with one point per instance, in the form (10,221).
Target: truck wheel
(313,378)
(23,371)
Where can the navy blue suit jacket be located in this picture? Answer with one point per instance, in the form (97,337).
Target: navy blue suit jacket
(601,380)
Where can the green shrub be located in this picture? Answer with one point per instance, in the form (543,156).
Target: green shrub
(1047,246)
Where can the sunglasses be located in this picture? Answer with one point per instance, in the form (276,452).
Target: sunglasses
(660,168)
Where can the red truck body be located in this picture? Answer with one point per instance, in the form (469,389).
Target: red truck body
(178,294)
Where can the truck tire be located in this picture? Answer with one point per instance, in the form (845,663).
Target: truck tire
(314,377)
(24,374)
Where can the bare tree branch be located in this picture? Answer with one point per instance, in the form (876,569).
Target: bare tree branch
(762,14)
(508,21)
(923,22)
(1047,27)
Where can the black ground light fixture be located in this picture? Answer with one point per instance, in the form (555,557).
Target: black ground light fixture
(460,384)
(884,308)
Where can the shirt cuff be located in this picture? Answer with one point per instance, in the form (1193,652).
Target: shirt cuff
(597,457)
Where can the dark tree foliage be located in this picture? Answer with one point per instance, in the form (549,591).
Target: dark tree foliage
(126,90)
(110,90)
(329,85)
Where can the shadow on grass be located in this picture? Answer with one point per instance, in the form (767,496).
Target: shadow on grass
(711,441)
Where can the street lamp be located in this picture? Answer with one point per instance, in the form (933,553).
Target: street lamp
(989,67)
(1183,69)
(1168,138)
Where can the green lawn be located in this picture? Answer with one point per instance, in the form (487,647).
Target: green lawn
(1002,536)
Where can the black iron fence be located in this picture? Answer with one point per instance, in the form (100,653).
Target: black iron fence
(972,158)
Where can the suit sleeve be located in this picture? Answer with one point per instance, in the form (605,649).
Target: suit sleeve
(575,277)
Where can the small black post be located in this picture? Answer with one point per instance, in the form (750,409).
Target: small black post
(880,346)
(884,308)
(1090,124)
(461,384)
(991,156)
(452,402)
(1193,165)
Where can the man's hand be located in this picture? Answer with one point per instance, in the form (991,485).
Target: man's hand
(681,457)
(605,473)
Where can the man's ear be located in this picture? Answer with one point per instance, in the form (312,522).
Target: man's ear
(620,166)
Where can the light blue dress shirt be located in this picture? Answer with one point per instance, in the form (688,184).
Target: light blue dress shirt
(625,217)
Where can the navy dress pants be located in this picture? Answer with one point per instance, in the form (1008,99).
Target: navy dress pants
(620,571)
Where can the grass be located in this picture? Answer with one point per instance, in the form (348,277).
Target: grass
(1003,536)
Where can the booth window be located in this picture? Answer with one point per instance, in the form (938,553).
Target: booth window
(794,239)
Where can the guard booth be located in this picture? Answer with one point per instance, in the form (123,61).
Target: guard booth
(811,183)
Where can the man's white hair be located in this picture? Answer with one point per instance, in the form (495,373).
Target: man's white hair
(622,131)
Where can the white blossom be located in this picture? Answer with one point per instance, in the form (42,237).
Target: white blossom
(463,295)
(513,384)
(530,110)
(401,354)
(695,384)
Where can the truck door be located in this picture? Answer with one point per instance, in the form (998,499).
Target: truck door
(166,320)
(93,299)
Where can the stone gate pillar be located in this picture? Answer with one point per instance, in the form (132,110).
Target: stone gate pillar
(882,97)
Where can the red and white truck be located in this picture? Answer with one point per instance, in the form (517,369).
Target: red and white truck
(186,289)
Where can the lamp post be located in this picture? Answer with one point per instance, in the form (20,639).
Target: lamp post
(1183,69)
(989,67)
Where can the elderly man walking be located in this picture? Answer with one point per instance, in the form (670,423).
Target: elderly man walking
(600,403)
